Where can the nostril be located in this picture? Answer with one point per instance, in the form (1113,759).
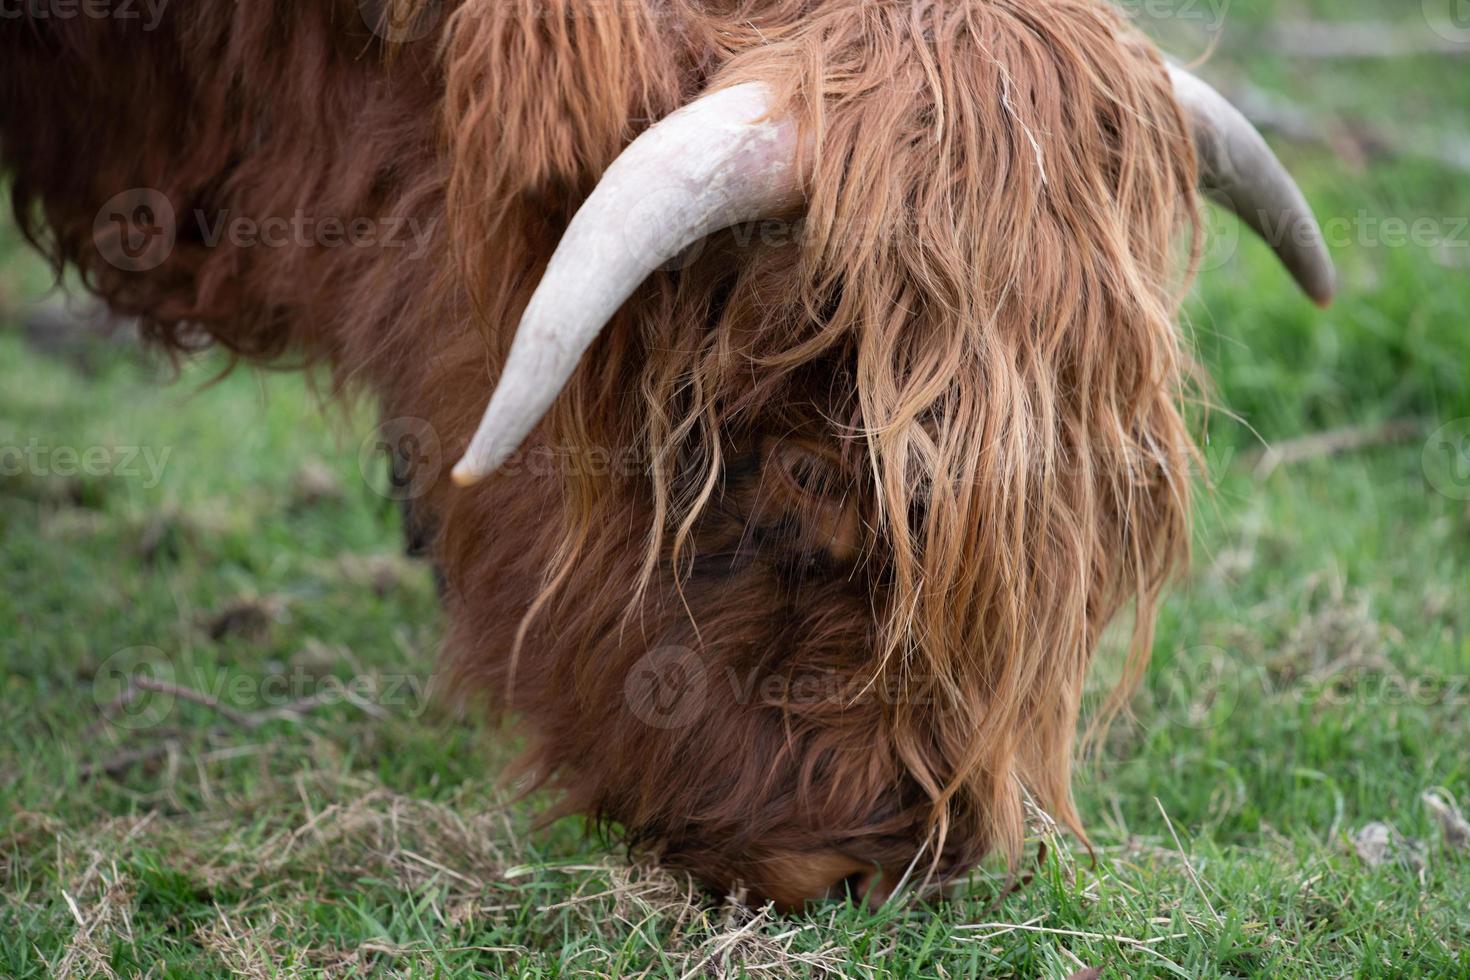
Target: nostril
(870,888)
(854,886)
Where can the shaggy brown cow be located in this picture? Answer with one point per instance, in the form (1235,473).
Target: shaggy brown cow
(891,445)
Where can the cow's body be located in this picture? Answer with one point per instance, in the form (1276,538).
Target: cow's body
(840,513)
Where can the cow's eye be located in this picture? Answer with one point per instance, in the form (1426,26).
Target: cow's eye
(809,491)
(809,472)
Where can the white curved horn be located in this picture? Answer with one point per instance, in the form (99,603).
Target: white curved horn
(1239,170)
(717,162)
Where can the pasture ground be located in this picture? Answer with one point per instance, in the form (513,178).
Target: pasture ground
(313,814)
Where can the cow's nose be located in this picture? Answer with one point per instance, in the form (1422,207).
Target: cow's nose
(790,881)
(871,888)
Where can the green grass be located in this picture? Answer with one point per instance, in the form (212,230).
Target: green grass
(1311,675)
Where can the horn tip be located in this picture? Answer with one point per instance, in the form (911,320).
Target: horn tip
(1324,292)
(465,475)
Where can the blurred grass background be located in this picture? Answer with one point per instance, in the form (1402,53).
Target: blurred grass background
(1311,678)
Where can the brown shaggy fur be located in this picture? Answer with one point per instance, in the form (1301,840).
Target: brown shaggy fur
(895,467)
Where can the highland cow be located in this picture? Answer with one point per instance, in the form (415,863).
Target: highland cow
(873,303)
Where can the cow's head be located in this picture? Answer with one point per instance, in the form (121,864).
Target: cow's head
(886,323)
